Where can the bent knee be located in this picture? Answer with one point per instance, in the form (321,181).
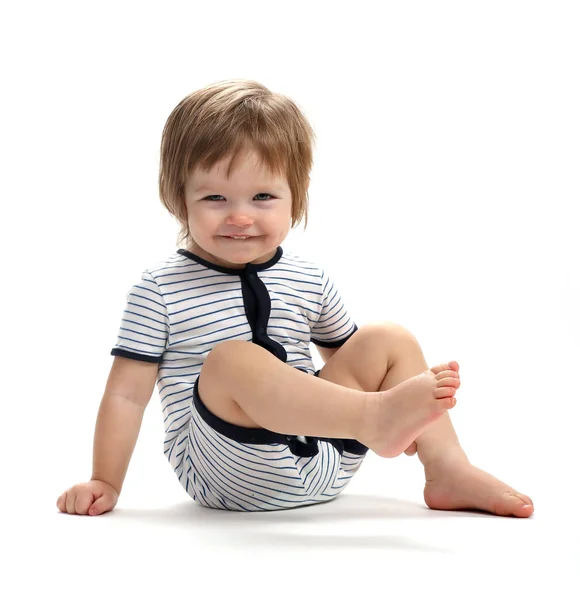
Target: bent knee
(218,381)
(389,330)
(222,358)
(226,351)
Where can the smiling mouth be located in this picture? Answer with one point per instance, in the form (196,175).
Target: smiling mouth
(238,237)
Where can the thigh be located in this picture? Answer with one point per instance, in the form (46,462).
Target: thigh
(214,380)
(363,361)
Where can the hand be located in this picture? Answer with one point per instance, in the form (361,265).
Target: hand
(94,498)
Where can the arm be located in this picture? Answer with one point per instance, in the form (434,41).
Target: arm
(127,393)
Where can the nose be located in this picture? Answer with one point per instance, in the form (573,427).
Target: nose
(239,220)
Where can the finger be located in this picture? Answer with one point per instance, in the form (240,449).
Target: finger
(70,502)
(82,503)
(103,504)
(60,503)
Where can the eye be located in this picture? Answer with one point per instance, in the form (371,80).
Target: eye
(211,198)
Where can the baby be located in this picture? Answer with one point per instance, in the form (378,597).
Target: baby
(224,326)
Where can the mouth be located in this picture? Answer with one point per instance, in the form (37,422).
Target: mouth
(238,237)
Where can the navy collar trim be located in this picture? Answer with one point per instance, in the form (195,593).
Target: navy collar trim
(248,267)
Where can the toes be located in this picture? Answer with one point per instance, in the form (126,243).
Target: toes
(515,504)
(523,510)
(447,373)
(450,366)
(526,501)
(447,381)
(438,368)
(445,392)
(448,401)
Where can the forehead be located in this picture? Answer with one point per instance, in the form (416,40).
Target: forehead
(247,169)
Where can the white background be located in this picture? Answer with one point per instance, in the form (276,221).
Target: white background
(444,197)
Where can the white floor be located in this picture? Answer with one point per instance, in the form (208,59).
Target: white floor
(378,537)
(516,418)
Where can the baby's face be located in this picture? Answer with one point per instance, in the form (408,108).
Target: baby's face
(251,203)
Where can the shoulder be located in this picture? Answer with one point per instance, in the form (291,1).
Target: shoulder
(169,268)
(161,276)
(299,264)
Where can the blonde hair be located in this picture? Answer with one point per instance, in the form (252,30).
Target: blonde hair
(224,119)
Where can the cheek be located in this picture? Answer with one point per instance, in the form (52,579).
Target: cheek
(280,220)
(200,221)
(281,229)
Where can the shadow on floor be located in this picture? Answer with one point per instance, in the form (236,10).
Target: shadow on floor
(275,528)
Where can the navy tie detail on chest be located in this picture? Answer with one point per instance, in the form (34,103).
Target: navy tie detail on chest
(257,305)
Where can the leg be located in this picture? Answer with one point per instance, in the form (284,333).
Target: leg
(439,439)
(244,384)
(396,357)
(451,481)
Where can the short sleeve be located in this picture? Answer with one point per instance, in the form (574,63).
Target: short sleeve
(334,325)
(144,329)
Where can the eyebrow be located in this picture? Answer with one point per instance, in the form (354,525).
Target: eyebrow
(265,186)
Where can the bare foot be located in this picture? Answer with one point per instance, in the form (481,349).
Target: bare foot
(399,415)
(455,484)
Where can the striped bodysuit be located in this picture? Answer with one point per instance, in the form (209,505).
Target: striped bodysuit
(181,309)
